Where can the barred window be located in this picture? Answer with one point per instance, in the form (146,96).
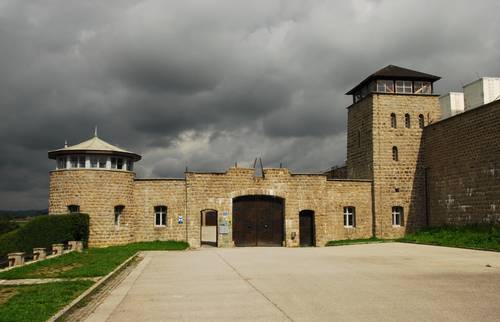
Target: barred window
(73,209)
(421,121)
(395,155)
(394,122)
(118,214)
(407,121)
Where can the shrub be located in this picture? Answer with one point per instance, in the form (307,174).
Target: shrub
(7,225)
(44,231)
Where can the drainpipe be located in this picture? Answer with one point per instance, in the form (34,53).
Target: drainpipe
(186,203)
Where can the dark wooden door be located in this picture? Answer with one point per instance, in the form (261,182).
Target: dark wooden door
(258,221)
(306,228)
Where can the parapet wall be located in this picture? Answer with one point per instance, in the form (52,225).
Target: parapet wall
(462,156)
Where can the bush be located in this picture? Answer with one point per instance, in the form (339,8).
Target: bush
(7,225)
(44,231)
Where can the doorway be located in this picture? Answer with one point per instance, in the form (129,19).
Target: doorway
(306,228)
(209,235)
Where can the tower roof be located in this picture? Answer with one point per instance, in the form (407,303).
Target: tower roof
(94,145)
(395,73)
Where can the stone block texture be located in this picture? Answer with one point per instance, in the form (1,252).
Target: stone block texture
(463,167)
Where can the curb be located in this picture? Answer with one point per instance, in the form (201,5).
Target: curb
(90,290)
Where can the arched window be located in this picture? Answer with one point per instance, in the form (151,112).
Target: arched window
(395,156)
(160,216)
(407,121)
(118,214)
(73,209)
(394,123)
(421,121)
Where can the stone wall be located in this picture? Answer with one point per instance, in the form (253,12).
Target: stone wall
(300,192)
(463,167)
(149,193)
(97,192)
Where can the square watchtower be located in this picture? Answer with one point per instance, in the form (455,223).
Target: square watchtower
(384,144)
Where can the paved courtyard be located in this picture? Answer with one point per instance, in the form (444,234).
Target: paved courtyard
(373,282)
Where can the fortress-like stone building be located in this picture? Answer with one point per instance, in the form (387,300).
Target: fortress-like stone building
(406,169)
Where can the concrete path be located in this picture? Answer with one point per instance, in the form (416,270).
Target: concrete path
(374,282)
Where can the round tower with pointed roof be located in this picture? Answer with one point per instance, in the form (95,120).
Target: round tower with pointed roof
(96,178)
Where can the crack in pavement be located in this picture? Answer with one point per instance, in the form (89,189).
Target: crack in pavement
(247,280)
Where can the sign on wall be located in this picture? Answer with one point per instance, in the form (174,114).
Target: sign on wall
(180,219)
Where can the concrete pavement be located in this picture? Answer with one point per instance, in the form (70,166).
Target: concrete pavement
(372,282)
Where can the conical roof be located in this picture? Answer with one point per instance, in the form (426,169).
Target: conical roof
(94,145)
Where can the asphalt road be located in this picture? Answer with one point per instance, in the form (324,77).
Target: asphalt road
(373,282)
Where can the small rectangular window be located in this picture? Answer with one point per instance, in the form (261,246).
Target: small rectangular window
(160,216)
(73,209)
(102,162)
(423,88)
(81,161)
(130,165)
(118,214)
(404,87)
(119,163)
(74,161)
(61,163)
(385,86)
(93,161)
(397,216)
(349,217)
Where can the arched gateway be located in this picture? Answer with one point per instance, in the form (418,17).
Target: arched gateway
(258,220)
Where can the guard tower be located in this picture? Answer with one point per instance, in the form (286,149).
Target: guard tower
(384,144)
(96,178)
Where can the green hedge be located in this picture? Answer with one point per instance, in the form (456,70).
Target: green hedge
(44,231)
(7,225)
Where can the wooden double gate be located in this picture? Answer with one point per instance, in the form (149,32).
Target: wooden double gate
(258,221)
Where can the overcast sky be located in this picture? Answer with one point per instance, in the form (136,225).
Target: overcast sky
(205,83)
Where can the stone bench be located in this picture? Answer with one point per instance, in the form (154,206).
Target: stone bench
(57,249)
(16,259)
(39,254)
(75,245)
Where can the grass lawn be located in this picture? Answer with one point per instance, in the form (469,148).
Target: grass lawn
(476,237)
(91,262)
(356,241)
(37,302)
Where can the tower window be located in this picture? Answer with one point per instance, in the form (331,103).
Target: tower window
(130,165)
(394,122)
(397,216)
(422,88)
(421,121)
(404,87)
(395,155)
(385,86)
(160,216)
(349,217)
(119,163)
(81,161)
(61,163)
(118,214)
(93,161)
(113,163)
(73,209)
(102,162)
(407,121)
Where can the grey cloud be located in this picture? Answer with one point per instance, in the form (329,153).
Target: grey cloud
(205,84)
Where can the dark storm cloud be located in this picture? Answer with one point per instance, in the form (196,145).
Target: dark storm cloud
(209,83)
